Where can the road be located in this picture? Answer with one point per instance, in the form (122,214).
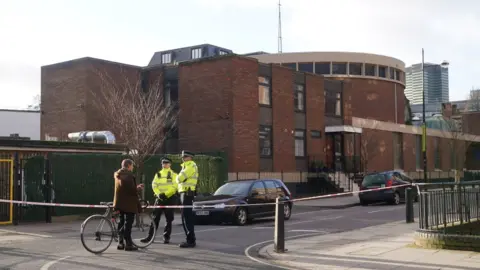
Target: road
(57,246)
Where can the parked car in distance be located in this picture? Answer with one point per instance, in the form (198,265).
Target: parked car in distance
(214,208)
(395,195)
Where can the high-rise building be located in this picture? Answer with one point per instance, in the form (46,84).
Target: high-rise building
(436,83)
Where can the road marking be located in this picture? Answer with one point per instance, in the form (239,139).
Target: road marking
(47,265)
(209,230)
(24,233)
(382,210)
(309,212)
(316,231)
(261,228)
(314,220)
(247,251)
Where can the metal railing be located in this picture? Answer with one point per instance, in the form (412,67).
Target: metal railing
(443,205)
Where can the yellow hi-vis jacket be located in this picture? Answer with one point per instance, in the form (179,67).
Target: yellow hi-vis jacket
(188,176)
(164,182)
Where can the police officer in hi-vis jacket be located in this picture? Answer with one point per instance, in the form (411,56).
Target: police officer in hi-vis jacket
(164,186)
(187,183)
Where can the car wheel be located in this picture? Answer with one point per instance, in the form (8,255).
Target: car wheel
(287,210)
(396,198)
(241,216)
(363,202)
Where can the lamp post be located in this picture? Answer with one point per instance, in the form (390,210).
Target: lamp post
(424,124)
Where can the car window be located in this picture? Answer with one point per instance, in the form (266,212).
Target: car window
(271,188)
(373,180)
(234,188)
(259,188)
(279,188)
(406,178)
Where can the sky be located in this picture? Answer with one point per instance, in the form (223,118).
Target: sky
(36,33)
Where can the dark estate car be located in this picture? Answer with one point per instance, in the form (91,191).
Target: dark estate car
(384,179)
(214,208)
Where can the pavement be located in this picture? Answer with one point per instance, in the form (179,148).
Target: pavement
(387,246)
(57,245)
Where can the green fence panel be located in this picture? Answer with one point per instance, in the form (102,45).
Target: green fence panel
(88,178)
(33,190)
(82,179)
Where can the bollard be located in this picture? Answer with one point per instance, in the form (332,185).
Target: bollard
(409,195)
(279,236)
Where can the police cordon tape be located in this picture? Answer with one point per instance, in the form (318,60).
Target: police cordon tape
(219,205)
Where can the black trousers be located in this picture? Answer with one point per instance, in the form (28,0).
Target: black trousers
(188,219)
(169,216)
(125,226)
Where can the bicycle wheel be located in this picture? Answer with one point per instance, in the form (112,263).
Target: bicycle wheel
(97,223)
(141,229)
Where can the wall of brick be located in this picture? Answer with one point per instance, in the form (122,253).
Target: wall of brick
(315,110)
(409,152)
(379,147)
(63,97)
(374,99)
(103,79)
(245,156)
(205,99)
(283,116)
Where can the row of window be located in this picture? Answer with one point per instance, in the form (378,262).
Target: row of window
(265,140)
(327,68)
(195,53)
(333,100)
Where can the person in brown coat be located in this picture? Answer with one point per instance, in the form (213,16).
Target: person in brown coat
(127,202)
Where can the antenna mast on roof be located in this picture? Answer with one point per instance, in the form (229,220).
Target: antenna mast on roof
(279,27)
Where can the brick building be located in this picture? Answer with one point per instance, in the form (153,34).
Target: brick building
(266,116)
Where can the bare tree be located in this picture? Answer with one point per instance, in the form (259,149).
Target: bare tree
(474,100)
(36,104)
(135,111)
(459,138)
(369,147)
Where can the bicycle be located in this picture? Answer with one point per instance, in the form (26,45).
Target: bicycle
(111,218)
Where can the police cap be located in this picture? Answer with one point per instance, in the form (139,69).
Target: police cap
(166,160)
(187,154)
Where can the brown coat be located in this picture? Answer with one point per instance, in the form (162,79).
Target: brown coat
(126,197)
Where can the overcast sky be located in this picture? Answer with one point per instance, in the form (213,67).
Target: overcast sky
(35,33)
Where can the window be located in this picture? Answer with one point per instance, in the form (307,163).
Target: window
(315,134)
(264,97)
(279,189)
(234,188)
(265,137)
(397,75)
(196,53)
(438,162)
(166,96)
(299,97)
(322,68)
(398,150)
(299,143)
(166,58)
(290,65)
(418,152)
(369,70)
(305,67)
(222,52)
(339,68)
(271,188)
(333,103)
(392,73)
(355,68)
(382,71)
(259,188)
